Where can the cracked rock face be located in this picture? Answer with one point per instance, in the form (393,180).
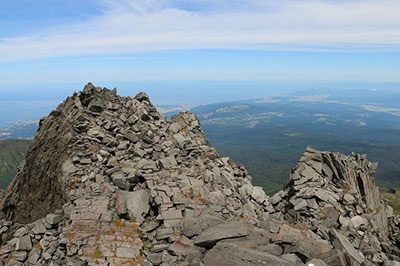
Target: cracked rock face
(110,181)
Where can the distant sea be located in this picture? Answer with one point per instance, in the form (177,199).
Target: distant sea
(17,111)
(31,101)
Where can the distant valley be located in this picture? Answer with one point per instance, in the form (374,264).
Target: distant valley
(269,135)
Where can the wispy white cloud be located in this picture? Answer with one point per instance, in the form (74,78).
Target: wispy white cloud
(128,26)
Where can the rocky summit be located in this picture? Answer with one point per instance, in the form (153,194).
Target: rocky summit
(108,180)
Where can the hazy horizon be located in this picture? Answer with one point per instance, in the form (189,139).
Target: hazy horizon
(193,52)
(18,104)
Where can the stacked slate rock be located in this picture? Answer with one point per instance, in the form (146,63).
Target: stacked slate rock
(334,196)
(131,185)
(110,181)
(35,243)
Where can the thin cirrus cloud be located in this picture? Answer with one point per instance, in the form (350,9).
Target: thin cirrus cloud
(129,26)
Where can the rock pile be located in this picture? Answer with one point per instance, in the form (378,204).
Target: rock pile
(334,196)
(110,181)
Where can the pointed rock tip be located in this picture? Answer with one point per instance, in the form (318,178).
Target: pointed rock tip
(88,87)
(310,149)
(142,96)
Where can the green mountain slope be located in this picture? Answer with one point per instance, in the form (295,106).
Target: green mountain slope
(269,154)
(12,152)
(393,198)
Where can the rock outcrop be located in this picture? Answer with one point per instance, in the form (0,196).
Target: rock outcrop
(111,181)
(334,195)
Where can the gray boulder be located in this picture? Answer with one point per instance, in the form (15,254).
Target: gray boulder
(227,230)
(229,254)
(134,204)
(194,226)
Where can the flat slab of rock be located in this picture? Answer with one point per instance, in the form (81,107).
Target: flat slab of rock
(54,218)
(168,162)
(225,253)
(228,230)
(24,243)
(39,227)
(194,226)
(184,246)
(342,243)
(135,204)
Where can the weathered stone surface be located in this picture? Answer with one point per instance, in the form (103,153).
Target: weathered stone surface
(194,226)
(292,258)
(184,246)
(343,244)
(357,221)
(39,227)
(333,257)
(24,243)
(228,230)
(135,204)
(316,262)
(54,218)
(259,195)
(171,214)
(226,253)
(168,162)
(392,263)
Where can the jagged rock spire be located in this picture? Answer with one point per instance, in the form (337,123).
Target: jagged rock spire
(335,195)
(114,163)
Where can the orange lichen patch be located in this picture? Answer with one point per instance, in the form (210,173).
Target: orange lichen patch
(347,188)
(325,215)
(253,247)
(92,148)
(98,236)
(118,223)
(109,232)
(135,226)
(202,200)
(137,261)
(30,196)
(369,211)
(6,260)
(37,245)
(129,234)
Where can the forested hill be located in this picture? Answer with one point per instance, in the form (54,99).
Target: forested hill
(12,152)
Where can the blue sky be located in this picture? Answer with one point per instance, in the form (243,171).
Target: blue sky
(50,44)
